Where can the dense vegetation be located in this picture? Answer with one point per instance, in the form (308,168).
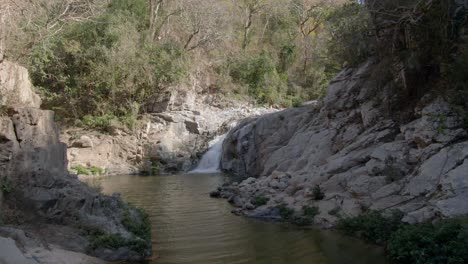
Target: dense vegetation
(96,62)
(439,243)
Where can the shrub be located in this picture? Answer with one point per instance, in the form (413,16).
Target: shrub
(140,228)
(81,170)
(444,243)
(259,74)
(371,226)
(318,193)
(102,123)
(93,170)
(307,217)
(260,200)
(116,241)
(5,185)
(96,170)
(285,212)
(112,241)
(310,212)
(350,27)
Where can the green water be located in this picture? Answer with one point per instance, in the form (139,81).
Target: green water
(190,227)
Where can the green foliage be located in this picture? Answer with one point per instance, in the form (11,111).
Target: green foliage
(297,102)
(442,243)
(112,241)
(152,167)
(260,200)
(349,27)
(116,241)
(285,212)
(93,170)
(5,185)
(259,74)
(317,193)
(371,226)
(102,123)
(96,170)
(140,225)
(307,217)
(310,211)
(81,170)
(101,72)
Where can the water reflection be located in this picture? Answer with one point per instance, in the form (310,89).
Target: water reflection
(190,227)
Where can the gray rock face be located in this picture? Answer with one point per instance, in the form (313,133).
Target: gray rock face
(356,152)
(42,197)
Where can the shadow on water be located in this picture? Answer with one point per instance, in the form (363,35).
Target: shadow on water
(190,227)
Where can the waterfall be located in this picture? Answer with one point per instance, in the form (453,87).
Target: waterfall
(210,161)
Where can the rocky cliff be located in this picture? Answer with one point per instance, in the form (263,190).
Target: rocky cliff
(47,210)
(350,153)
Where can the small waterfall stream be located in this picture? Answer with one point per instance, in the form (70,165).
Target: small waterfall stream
(210,161)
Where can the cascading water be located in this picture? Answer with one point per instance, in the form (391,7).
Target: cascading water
(210,161)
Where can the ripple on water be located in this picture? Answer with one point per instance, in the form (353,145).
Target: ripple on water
(190,227)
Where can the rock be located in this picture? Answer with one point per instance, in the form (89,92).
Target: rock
(353,149)
(15,86)
(82,142)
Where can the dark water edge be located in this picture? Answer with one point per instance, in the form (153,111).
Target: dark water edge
(190,227)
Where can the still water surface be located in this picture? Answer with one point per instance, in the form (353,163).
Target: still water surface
(190,227)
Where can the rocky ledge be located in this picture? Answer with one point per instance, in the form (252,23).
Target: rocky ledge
(348,154)
(46,210)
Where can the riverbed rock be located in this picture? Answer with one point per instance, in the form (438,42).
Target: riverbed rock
(360,154)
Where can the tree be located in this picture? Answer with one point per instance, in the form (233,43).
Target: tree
(310,15)
(160,13)
(203,21)
(250,8)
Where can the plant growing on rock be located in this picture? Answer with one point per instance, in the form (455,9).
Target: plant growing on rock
(260,200)
(371,226)
(446,242)
(308,215)
(285,212)
(116,241)
(140,228)
(5,185)
(310,212)
(317,193)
